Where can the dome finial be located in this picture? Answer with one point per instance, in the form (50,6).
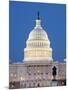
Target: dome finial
(38,21)
(38,15)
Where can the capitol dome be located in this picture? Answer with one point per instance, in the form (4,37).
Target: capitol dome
(38,44)
(38,33)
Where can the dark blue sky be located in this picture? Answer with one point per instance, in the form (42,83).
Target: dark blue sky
(22,16)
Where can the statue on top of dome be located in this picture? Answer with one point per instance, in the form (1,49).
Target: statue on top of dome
(38,15)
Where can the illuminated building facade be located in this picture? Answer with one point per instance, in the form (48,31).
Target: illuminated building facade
(38,68)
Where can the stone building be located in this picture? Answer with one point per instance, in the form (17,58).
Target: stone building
(38,68)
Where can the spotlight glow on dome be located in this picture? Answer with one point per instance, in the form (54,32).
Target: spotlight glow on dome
(38,45)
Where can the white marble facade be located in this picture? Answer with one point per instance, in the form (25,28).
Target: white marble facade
(32,74)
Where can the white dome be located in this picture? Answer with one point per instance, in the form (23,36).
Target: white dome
(38,34)
(38,45)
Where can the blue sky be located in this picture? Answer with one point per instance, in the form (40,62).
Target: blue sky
(22,16)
